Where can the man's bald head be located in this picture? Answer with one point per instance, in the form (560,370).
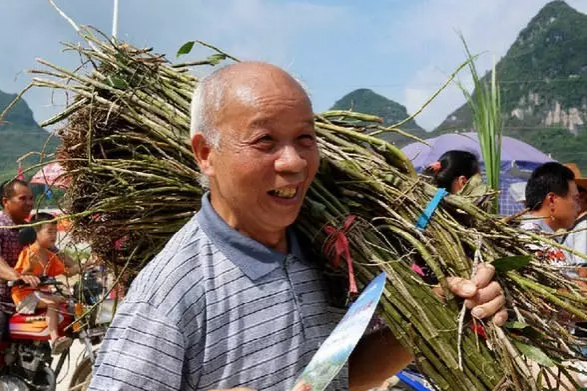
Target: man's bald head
(239,83)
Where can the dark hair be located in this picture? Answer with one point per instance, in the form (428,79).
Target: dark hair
(8,189)
(550,177)
(42,216)
(451,165)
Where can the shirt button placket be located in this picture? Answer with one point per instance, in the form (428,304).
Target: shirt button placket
(297,296)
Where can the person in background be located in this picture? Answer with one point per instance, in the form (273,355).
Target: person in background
(17,204)
(577,239)
(453,170)
(38,260)
(552,198)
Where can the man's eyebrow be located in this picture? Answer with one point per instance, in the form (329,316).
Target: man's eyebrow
(260,122)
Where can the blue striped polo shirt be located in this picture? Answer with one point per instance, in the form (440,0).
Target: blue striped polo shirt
(216,309)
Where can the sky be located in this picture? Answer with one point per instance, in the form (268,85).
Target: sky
(401,49)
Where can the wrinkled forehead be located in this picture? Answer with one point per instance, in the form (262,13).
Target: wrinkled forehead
(264,99)
(256,87)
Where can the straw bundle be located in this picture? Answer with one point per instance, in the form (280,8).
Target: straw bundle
(134,182)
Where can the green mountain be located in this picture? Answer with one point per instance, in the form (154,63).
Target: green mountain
(366,101)
(20,134)
(543,81)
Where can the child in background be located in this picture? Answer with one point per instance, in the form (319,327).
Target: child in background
(39,259)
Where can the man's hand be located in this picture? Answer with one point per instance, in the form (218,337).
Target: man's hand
(484,296)
(30,279)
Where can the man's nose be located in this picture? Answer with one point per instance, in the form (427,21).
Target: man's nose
(290,160)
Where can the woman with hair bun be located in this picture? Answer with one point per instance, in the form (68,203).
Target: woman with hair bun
(453,170)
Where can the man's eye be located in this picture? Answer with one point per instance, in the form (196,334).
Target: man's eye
(307,140)
(264,139)
(265,142)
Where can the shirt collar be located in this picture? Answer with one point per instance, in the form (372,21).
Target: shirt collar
(5,220)
(253,258)
(536,224)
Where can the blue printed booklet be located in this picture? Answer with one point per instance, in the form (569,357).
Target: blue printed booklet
(337,348)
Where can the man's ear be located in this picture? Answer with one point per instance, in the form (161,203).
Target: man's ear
(550,198)
(203,154)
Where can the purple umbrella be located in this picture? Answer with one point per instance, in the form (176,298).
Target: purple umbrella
(422,155)
(518,159)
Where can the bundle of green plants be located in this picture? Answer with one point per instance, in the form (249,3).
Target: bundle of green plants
(134,183)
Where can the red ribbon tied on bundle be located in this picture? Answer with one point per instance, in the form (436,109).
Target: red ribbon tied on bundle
(339,244)
(479,329)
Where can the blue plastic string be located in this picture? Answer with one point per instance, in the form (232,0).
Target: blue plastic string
(430,208)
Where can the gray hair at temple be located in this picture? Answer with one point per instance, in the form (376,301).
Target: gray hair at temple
(206,101)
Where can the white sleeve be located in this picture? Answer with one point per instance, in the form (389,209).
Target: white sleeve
(578,242)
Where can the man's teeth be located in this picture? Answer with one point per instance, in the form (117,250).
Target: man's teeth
(284,193)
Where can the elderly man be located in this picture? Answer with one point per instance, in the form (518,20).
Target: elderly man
(17,204)
(232,300)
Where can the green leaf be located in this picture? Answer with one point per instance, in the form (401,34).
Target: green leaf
(485,105)
(185,48)
(474,187)
(534,353)
(516,325)
(506,264)
(116,82)
(531,333)
(216,58)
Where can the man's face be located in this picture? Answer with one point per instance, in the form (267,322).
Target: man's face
(267,156)
(20,205)
(566,209)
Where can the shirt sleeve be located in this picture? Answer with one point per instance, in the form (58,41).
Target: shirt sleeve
(23,262)
(578,242)
(142,350)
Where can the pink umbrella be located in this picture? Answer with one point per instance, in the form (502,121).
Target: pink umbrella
(51,175)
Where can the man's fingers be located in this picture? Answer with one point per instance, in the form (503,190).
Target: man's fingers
(461,287)
(500,318)
(490,308)
(468,288)
(485,295)
(484,275)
